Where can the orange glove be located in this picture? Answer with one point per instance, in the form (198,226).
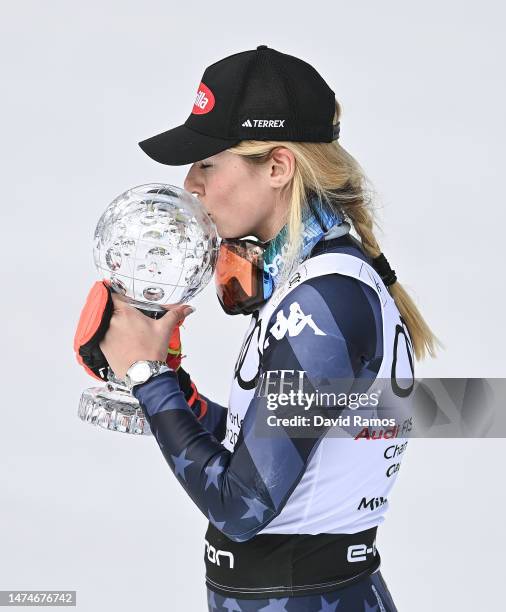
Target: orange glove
(92,327)
(174,356)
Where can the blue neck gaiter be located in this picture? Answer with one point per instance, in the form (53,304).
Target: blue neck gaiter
(318,220)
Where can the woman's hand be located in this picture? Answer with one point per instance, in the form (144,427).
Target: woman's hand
(133,336)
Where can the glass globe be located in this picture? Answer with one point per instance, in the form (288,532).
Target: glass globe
(157,245)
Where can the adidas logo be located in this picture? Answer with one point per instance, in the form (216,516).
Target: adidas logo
(267,123)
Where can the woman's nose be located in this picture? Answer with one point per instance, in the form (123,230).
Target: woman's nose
(192,186)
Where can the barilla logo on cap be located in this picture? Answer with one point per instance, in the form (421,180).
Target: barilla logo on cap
(204,102)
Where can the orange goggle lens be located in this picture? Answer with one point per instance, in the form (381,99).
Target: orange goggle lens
(239,275)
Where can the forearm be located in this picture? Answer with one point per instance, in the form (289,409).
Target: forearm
(224,486)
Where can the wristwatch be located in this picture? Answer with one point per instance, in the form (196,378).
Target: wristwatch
(141,371)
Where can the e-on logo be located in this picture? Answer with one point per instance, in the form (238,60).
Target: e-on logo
(359,552)
(214,555)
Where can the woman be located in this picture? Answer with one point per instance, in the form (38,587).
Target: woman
(292,515)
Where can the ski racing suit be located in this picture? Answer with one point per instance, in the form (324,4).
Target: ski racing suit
(293,518)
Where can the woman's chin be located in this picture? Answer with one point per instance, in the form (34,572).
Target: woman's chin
(225,231)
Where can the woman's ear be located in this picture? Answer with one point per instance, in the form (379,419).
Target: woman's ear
(282,166)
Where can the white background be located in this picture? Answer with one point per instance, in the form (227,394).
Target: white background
(422,89)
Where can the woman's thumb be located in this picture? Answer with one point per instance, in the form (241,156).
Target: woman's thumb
(187,310)
(177,315)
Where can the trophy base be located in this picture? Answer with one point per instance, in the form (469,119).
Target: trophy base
(114,410)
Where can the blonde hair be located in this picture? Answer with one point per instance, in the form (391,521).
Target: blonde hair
(330,172)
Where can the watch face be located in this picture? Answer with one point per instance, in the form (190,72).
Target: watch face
(140,372)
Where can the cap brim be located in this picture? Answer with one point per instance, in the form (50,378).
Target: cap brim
(182,145)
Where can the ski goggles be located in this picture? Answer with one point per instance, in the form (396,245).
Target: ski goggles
(242,282)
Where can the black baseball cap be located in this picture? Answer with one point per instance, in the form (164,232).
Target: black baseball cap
(260,94)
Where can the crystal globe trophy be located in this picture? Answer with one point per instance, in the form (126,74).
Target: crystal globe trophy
(155,245)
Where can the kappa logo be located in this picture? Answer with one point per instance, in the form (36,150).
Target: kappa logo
(204,102)
(264,123)
(294,324)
